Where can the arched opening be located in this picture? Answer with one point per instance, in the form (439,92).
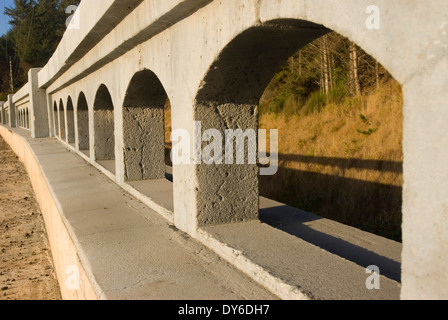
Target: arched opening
(340,115)
(56,119)
(143,128)
(61,115)
(229,99)
(83,124)
(104,130)
(70,122)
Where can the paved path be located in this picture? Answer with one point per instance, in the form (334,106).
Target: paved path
(128,250)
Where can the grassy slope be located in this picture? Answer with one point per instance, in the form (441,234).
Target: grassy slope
(345,162)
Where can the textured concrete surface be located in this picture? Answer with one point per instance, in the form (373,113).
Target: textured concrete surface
(144,143)
(127,250)
(2,113)
(305,256)
(38,97)
(104,147)
(226,61)
(82,121)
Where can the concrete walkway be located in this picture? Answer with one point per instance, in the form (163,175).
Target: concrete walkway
(130,251)
(127,250)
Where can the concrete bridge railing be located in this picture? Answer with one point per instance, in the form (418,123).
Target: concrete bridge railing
(103,92)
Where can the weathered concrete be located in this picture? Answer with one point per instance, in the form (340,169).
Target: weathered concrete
(104,125)
(56,120)
(2,113)
(214,70)
(144,128)
(83,123)
(61,121)
(70,122)
(123,249)
(38,107)
(11,112)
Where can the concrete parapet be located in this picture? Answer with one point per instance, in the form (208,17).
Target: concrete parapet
(11,112)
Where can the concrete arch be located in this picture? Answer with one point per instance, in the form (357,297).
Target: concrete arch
(228,99)
(83,122)
(61,120)
(245,66)
(104,129)
(143,128)
(70,121)
(56,119)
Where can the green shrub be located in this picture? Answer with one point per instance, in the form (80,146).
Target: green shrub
(315,103)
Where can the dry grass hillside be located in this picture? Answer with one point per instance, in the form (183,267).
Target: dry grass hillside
(343,162)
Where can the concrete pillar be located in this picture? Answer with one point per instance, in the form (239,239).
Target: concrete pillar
(61,121)
(55,114)
(425,190)
(12,112)
(210,194)
(144,143)
(3,113)
(38,114)
(50,116)
(83,123)
(144,128)
(228,101)
(228,191)
(70,122)
(104,132)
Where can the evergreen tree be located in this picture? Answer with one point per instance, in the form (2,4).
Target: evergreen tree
(37,29)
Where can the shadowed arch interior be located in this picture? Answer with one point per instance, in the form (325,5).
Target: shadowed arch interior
(103,108)
(228,99)
(144,128)
(55,119)
(70,121)
(83,123)
(61,114)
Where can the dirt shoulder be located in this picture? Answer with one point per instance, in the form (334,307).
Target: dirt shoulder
(26,268)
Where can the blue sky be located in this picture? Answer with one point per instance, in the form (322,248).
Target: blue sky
(4,25)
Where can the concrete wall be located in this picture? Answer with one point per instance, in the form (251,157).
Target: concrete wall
(213,59)
(144,128)
(82,120)
(2,113)
(59,238)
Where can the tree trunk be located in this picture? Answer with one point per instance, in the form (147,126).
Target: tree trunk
(325,64)
(354,63)
(377,74)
